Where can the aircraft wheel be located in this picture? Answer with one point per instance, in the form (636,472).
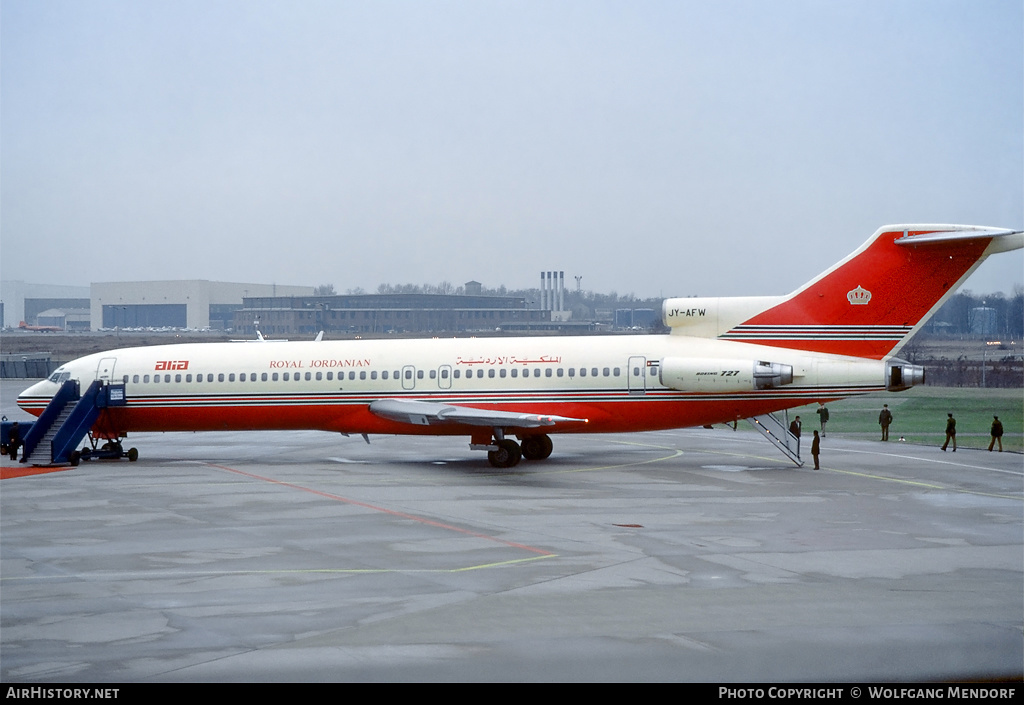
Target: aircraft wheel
(507,455)
(75,459)
(537,447)
(133,455)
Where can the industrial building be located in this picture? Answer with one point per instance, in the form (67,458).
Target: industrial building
(197,304)
(387,313)
(25,301)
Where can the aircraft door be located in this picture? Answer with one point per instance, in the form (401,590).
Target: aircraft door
(408,377)
(105,369)
(444,377)
(636,374)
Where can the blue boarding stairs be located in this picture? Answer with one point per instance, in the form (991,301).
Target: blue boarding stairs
(54,437)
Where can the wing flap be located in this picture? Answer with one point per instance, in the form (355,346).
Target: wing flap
(429,413)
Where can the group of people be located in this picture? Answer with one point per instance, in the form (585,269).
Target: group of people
(884,421)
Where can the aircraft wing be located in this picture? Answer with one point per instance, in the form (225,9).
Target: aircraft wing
(429,413)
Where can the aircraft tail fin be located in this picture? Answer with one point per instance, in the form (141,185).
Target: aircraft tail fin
(867,305)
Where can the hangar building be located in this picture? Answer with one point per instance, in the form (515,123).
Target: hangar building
(193,304)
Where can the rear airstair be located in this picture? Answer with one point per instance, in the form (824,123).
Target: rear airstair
(67,419)
(776,430)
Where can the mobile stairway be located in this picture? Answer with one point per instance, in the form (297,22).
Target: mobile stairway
(54,437)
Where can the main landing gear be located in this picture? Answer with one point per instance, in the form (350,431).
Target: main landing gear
(110,450)
(505,453)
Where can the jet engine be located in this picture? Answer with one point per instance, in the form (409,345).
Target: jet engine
(688,374)
(900,375)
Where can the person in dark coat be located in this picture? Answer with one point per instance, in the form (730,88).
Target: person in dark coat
(14,441)
(950,432)
(997,434)
(884,419)
(822,417)
(816,449)
(794,427)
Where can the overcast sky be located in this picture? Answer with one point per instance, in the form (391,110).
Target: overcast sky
(660,148)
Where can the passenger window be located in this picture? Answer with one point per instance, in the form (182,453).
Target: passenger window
(373,374)
(383,375)
(490,373)
(606,372)
(209,377)
(145,379)
(220,377)
(362,375)
(572,371)
(263,377)
(515,372)
(502,373)
(177,378)
(135,379)
(241,377)
(319,376)
(330,376)
(309,376)
(433,374)
(419,374)
(583,372)
(231,377)
(274,377)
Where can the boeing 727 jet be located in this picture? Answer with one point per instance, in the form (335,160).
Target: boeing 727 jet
(724,359)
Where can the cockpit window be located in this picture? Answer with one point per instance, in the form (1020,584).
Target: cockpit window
(59,377)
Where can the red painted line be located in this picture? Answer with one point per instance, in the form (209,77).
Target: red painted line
(6,472)
(391,512)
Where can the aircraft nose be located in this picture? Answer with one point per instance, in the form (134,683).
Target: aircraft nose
(35,398)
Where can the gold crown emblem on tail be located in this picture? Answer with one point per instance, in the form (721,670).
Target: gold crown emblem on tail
(860,295)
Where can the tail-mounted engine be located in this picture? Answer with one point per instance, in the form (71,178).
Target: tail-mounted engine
(900,375)
(719,375)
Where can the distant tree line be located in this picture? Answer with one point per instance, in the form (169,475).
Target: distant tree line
(960,316)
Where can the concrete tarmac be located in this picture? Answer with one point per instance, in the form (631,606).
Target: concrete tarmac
(691,555)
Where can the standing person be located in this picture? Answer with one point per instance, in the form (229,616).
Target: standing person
(816,449)
(884,419)
(14,441)
(822,417)
(950,432)
(997,434)
(794,427)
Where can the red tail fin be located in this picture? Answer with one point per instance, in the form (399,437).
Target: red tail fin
(871,302)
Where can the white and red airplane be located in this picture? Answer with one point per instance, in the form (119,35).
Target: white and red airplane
(725,359)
